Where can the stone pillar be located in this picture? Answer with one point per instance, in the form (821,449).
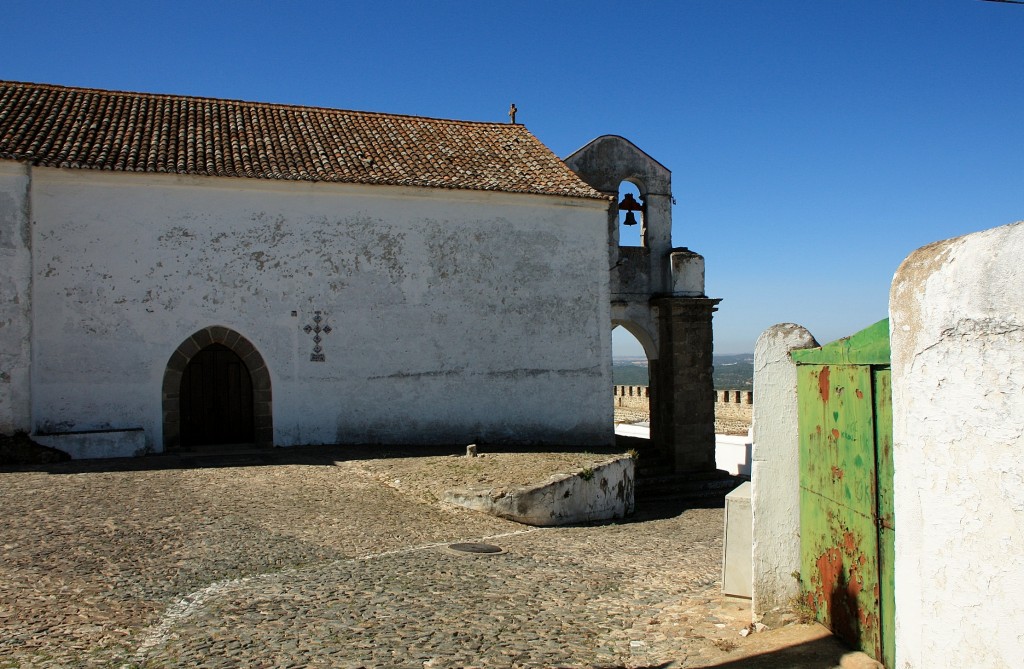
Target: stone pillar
(775,468)
(684,392)
(654,419)
(658,240)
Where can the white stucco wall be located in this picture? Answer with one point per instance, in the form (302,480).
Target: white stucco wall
(775,468)
(455,315)
(957,331)
(15,298)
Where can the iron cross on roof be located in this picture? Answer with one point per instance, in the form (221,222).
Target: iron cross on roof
(318,352)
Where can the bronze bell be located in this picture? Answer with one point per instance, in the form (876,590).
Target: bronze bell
(630,205)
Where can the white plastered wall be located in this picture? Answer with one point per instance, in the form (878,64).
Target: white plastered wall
(775,468)
(15,298)
(957,331)
(455,315)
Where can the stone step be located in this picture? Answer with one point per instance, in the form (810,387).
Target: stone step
(648,468)
(696,485)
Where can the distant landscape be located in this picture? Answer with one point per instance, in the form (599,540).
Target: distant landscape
(732,372)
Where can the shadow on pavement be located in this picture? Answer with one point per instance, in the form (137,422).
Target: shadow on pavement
(249,456)
(212,457)
(823,652)
(662,509)
(664,665)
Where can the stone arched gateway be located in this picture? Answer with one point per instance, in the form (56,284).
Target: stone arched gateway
(657,291)
(262,415)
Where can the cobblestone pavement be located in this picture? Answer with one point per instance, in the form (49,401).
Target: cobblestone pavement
(311,560)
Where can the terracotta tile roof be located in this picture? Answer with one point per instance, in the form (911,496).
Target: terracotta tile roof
(57,126)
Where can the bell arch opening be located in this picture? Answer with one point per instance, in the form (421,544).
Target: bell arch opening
(632,223)
(216,390)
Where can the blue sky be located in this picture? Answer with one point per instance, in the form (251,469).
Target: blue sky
(813,145)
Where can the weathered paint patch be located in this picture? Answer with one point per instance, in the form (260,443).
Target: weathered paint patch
(823,383)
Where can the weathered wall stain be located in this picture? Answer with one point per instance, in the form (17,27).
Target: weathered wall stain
(11,222)
(441,307)
(15,299)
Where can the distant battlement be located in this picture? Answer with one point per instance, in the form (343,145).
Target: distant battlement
(733,408)
(724,396)
(631,391)
(632,404)
(735,396)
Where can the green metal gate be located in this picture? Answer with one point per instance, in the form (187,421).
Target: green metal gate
(847,527)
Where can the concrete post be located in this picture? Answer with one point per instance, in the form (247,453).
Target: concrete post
(687,273)
(775,468)
(686,425)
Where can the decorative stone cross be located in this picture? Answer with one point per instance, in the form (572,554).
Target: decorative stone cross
(318,352)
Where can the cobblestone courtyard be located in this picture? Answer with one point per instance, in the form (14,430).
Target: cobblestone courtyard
(318,558)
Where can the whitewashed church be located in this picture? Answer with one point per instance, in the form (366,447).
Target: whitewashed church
(180,271)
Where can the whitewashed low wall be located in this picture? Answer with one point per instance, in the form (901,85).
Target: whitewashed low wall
(97,444)
(640,431)
(957,335)
(601,492)
(732,453)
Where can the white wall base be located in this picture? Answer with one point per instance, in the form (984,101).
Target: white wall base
(601,492)
(98,444)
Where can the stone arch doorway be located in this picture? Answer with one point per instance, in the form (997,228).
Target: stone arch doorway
(216,390)
(639,335)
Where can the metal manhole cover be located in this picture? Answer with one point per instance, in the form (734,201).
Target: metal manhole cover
(476,548)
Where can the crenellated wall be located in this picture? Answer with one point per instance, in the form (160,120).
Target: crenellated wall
(632,404)
(721,396)
(733,408)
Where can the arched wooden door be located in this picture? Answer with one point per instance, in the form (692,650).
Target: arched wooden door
(216,399)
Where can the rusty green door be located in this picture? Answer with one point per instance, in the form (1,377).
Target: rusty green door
(846,519)
(882,391)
